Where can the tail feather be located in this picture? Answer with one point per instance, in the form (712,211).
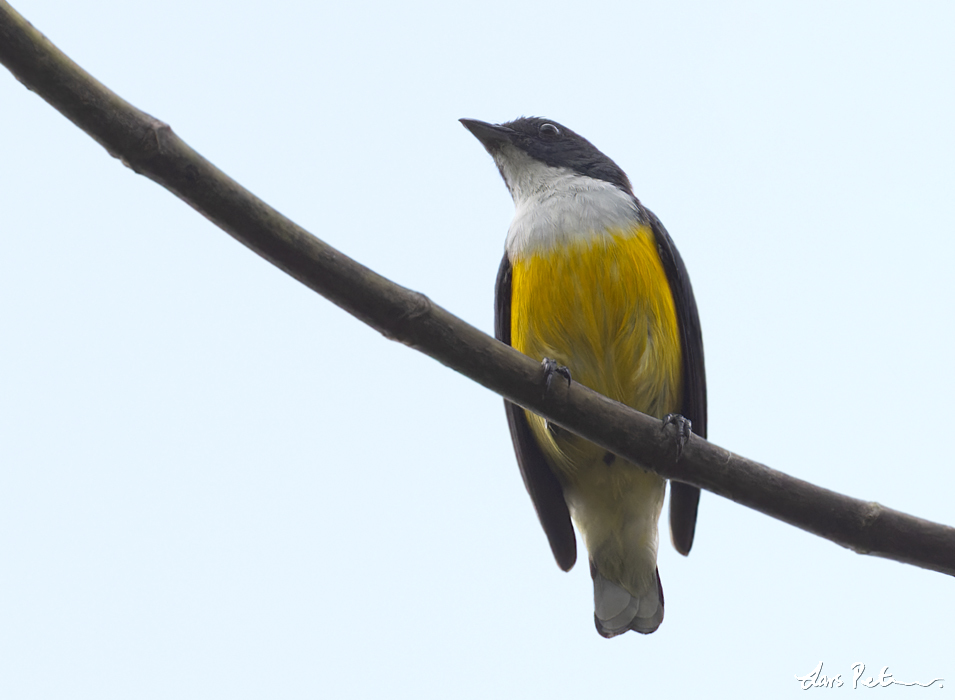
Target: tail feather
(617,611)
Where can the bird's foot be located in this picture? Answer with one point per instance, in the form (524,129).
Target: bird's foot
(551,368)
(683,428)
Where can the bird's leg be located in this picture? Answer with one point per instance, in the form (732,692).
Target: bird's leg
(682,433)
(551,368)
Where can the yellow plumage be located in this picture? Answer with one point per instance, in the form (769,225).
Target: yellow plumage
(602,306)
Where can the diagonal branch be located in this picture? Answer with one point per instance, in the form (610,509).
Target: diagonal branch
(150,148)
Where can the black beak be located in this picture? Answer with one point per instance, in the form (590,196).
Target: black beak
(491,136)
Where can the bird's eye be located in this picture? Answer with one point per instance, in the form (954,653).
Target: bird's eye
(549,131)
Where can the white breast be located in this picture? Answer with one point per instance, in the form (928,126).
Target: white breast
(555,206)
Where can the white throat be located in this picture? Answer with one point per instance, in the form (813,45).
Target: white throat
(556,206)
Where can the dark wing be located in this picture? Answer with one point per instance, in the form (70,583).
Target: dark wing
(541,484)
(684,499)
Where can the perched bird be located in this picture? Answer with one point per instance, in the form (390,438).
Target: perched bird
(591,282)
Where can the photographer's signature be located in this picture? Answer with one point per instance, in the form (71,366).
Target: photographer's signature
(816,679)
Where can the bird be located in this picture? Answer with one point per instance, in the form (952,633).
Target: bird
(592,285)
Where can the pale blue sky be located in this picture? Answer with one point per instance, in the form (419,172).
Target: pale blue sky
(215,484)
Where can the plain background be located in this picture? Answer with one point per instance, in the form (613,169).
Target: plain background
(215,484)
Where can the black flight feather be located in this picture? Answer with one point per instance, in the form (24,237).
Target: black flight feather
(684,499)
(541,483)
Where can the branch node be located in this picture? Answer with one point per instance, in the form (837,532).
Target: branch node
(404,324)
(149,145)
(157,132)
(869,513)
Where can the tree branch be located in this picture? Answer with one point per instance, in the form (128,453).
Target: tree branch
(150,148)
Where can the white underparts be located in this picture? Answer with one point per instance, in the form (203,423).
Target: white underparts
(556,206)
